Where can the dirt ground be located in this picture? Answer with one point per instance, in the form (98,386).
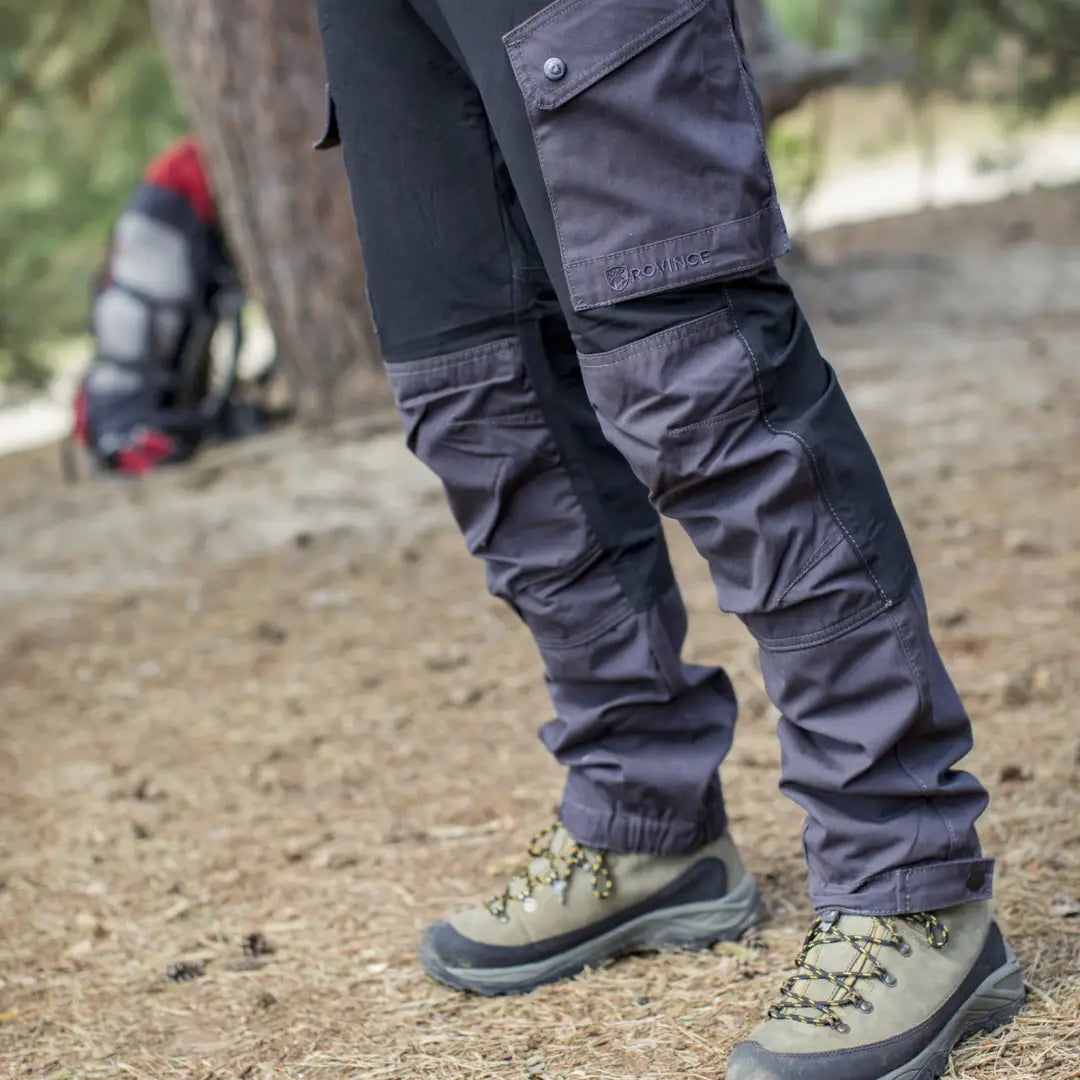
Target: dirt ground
(265,704)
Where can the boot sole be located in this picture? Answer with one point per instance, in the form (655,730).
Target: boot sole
(994,1003)
(690,926)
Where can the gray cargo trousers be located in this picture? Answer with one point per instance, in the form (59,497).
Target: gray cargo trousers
(570,229)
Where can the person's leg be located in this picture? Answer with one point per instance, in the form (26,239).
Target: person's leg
(720,400)
(487,381)
(634,140)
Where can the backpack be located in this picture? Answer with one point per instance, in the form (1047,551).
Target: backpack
(166,284)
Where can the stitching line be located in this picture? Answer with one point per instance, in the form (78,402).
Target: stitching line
(401,371)
(684,331)
(770,206)
(591,555)
(825,548)
(736,412)
(523,418)
(924,706)
(807,450)
(623,611)
(946,868)
(720,270)
(749,97)
(819,637)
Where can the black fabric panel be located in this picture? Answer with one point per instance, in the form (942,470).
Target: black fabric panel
(445,262)
(330,137)
(615,502)
(800,395)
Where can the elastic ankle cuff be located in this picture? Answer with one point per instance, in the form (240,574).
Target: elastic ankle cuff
(911,889)
(619,830)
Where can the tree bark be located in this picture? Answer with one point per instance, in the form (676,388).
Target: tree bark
(787,71)
(251,75)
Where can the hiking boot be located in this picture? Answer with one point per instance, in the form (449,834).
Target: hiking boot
(885,998)
(575,907)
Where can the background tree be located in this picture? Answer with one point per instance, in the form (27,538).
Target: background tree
(84,104)
(788,69)
(251,75)
(1023,55)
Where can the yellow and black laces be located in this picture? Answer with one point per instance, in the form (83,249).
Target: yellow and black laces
(559,866)
(865,964)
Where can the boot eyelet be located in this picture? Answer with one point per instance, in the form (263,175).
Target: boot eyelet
(841,1027)
(865,1006)
(904,949)
(888,978)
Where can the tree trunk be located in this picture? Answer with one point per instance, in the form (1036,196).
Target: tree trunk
(787,71)
(251,75)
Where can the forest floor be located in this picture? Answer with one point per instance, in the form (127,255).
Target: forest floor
(265,700)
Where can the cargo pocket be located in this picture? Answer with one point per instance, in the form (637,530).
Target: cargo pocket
(650,140)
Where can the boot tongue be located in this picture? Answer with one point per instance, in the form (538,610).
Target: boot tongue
(554,855)
(554,850)
(838,958)
(559,842)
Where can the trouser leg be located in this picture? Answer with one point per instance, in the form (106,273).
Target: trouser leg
(486,378)
(742,433)
(640,164)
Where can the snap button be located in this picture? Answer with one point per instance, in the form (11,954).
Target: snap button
(554,68)
(975,880)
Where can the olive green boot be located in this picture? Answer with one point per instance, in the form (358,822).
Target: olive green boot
(885,998)
(575,907)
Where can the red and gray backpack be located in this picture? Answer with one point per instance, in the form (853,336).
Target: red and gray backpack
(155,307)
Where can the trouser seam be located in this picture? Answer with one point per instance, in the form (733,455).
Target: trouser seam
(640,590)
(493,172)
(592,554)
(686,331)
(807,449)
(826,548)
(904,877)
(443,361)
(924,707)
(623,612)
(749,95)
(823,636)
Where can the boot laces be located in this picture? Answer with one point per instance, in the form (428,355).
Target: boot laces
(558,867)
(798,1006)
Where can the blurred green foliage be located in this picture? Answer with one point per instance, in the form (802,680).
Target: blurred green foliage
(1023,55)
(84,103)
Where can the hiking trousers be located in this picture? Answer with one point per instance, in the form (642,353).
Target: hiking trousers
(570,229)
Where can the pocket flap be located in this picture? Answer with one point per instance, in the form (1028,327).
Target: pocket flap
(571,44)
